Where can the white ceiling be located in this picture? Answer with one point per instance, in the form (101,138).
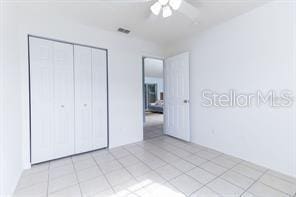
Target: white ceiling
(153,68)
(136,16)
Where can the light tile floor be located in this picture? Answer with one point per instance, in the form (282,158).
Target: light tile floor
(159,167)
(153,126)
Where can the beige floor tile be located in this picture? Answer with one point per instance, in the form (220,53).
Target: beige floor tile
(84,164)
(282,176)
(36,169)
(62,182)
(183,165)
(205,192)
(238,179)
(206,155)
(60,171)
(222,161)
(168,172)
(151,177)
(225,188)
(154,167)
(32,179)
(110,166)
(247,171)
(38,190)
(254,166)
(186,184)
(118,177)
(247,194)
(138,169)
(119,152)
(81,157)
(201,175)
(213,168)
(89,173)
(262,190)
(129,186)
(279,184)
(159,190)
(94,186)
(73,191)
(129,160)
(196,160)
(60,162)
(154,164)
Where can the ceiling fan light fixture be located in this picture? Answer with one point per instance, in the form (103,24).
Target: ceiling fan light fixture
(163,2)
(166,11)
(156,8)
(175,4)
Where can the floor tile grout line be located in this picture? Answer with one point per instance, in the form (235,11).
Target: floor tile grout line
(48,179)
(209,172)
(277,177)
(196,166)
(247,189)
(164,142)
(143,162)
(218,177)
(173,154)
(284,192)
(75,172)
(33,184)
(64,176)
(166,181)
(190,144)
(98,165)
(241,162)
(133,192)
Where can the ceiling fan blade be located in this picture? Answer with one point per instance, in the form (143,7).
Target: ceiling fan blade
(189,10)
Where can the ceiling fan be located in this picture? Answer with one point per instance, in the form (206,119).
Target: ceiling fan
(167,7)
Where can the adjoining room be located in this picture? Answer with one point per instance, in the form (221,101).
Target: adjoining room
(153,98)
(148,98)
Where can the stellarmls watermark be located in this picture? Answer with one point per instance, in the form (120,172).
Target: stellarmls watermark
(233,98)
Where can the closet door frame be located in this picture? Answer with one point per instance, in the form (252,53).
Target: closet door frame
(29,82)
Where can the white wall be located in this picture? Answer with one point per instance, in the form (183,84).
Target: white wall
(125,81)
(255,51)
(125,87)
(1,101)
(11,133)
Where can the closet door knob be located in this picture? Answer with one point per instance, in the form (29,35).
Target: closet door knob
(62,106)
(85,105)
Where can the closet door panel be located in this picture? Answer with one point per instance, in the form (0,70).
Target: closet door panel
(99,98)
(63,135)
(83,95)
(42,93)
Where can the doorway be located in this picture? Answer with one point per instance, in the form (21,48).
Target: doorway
(153,97)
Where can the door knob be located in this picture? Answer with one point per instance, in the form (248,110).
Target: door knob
(186,101)
(85,105)
(62,106)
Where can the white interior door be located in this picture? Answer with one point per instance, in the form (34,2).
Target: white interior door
(52,103)
(83,99)
(176,76)
(42,91)
(99,98)
(63,133)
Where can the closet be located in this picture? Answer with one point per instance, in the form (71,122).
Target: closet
(68,99)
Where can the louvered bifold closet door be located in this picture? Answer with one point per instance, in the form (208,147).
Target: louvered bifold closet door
(52,99)
(90,99)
